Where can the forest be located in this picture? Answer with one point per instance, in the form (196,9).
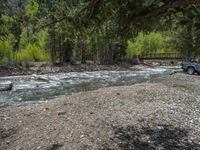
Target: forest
(75,75)
(104,32)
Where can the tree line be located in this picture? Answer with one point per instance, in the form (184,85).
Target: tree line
(102,31)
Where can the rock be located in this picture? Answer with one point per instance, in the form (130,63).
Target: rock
(61,113)
(118,93)
(6,86)
(35,77)
(43,79)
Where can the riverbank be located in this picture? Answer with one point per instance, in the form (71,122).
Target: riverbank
(46,69)
(160,114)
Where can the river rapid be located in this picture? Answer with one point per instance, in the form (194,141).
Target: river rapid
(34,89)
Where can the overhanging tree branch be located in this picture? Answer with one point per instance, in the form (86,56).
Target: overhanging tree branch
(91,6)
(94,4)
(172,4)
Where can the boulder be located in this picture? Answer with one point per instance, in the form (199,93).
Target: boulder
(6,86)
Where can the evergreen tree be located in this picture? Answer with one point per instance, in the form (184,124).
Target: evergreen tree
(187,35)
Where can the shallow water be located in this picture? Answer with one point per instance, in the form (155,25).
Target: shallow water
(39,88)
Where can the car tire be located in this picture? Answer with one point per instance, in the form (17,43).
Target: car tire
(190,70)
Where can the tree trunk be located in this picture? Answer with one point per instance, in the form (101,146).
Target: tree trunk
(53,42)
(61,50)
(82,50)
(53,53)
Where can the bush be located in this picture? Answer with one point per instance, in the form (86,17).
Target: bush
(5,51)
(145,44)
(31,52)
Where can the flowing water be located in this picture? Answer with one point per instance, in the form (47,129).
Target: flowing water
(39,88)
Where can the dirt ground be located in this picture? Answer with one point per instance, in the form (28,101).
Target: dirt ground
(163,113)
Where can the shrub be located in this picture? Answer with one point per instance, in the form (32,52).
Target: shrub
(5,50)
(153,42)
(31,52)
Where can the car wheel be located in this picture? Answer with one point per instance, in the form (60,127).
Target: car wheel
(190,70)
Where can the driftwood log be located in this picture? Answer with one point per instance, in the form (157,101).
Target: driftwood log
(6,86)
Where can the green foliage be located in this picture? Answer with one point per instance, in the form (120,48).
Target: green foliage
(31,52)
(186,36)
(26,45)
(5,24)
(27,36)
(34,51)
(134,49)
(31,8)
(32,46)
(96,30)
(153,42)
(5,50)
(24,39)
(42,38)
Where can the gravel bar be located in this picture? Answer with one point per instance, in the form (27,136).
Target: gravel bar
(163,113)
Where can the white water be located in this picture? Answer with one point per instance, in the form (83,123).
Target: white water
(38,88)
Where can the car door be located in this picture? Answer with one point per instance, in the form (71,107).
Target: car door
(198,66)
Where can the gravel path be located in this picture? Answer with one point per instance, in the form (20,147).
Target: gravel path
(163,113)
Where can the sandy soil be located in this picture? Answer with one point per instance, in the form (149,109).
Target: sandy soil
(163,113)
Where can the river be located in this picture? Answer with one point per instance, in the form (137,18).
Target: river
(33,89)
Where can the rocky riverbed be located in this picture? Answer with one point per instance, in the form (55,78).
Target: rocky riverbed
(163,113)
